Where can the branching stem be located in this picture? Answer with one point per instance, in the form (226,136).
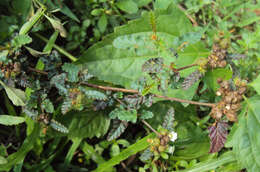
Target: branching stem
(151,128)
(136,92)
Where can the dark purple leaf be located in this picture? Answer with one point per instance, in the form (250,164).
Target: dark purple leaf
(218,136)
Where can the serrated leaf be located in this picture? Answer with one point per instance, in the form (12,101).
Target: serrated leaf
(66,106)
(191,79)
(17,96)
(58,126)
(93,94)
(218,136)
(11,120)
(72,71)
(30,113)
(169,119)
(47,106)
(146,114)
(256,84)
(59,82)
(118,127)
(245,140)
(21,40)
(124,115)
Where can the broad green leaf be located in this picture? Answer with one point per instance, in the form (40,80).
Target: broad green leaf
(17,96)
(119,57)
(21,7)
(141,3)
(3,160)
(86,124)
(256,84)
(124,154)
(128,6)
(246,139)
(40,65)
(102,23)
(32,21)
(211,164)
(212,76)
(11,120)
(162,4)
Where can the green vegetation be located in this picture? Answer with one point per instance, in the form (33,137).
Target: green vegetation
(129,85)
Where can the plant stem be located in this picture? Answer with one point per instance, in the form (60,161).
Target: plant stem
(61,50)
(136,92)
(186,67)
(38,71)
(191,19)
(151,128)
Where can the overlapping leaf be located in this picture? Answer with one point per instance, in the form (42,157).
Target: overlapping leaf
(218,135)
(120,56)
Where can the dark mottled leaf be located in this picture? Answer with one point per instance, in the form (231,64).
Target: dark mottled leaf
(218,136)
(58,126)
(146,155)
(191,79)
(72,71)
(47,106)
(66,106)
(93,94)
(118,127)
(146,114)
(169,119)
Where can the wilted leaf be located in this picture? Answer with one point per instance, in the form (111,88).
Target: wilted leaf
(57,25)
(118,127)
(218,136)
(11,120)
(17,96)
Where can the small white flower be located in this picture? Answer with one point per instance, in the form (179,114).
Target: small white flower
(171,149)
(173,136)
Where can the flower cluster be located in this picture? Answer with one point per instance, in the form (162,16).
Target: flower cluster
(230,103)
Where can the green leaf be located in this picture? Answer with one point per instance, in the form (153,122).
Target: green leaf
(212,76)
(11,120)
(32,21)
(256,84)
(211,164)
(128,6)
(21,40)
(124,115)
(40,65)
(34,53)
(18,156)
(51,42)
(72,71)
(162,4)
(93,94)
(118,127)
(17,96)
(86,124)
(146,114)
(47,106)
(131,45)
(141,3)
(102,23)
(246,139)
(3,160)
(124,154)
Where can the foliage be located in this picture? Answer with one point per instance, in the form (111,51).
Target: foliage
(129,85)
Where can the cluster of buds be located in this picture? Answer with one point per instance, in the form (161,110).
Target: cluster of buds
(10,69)
(159,145)
(230,103)
(217,57)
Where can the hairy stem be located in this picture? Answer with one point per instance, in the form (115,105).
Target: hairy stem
(136,92)
(151,128)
